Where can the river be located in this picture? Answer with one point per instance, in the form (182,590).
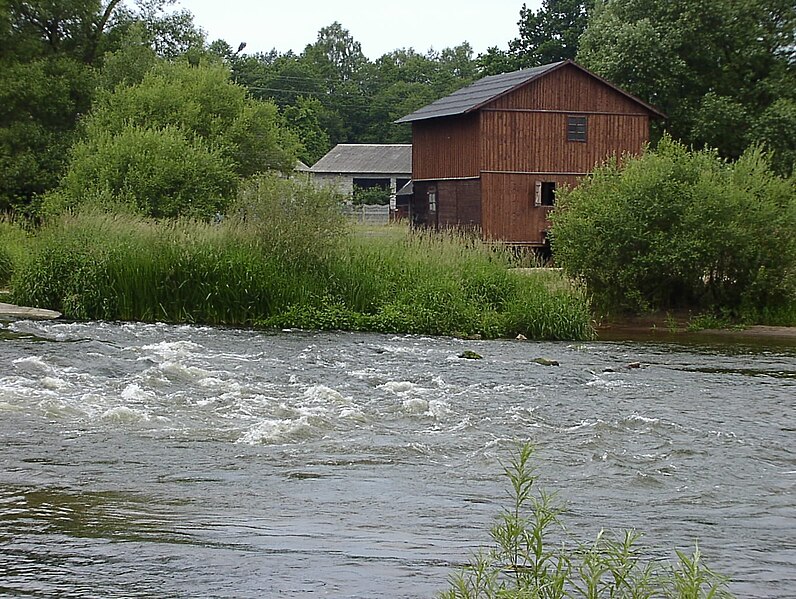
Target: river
(149,460)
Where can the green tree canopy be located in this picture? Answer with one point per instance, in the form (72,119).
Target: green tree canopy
(716,67)
(50,51)
(550,34)
(139,130)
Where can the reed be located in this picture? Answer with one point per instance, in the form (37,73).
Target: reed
(251,271)
(14,242)
(528,559)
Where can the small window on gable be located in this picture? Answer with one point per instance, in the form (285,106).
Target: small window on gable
(545,193)
(576,128)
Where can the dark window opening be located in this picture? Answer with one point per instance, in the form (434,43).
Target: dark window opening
(576,128)
(371,191)
(548,193)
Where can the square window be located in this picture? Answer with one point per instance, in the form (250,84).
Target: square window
(576,128)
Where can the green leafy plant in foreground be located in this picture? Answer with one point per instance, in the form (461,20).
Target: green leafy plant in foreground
(527,561)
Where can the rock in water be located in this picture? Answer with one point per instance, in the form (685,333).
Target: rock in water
(546,362)
(12,312)
(470,355)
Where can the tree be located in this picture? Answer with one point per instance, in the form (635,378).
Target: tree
(714,66)
(337,54)
(50,51)
(303,118)
(139,131)
(548,35)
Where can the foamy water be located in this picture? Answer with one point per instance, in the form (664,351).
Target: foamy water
(154,460)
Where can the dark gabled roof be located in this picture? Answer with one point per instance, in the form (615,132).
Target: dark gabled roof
(476,94)
(484,91)
(366,158)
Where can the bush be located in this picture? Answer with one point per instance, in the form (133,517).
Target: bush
(13,249)
(528,561)
(371,196)
(6,266)
(175,143)
(681,229)
(154,172)
(290,218)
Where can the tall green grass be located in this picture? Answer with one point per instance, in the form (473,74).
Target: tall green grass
(14,241)
(284,258)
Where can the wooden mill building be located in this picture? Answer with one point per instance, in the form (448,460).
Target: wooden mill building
(491,155)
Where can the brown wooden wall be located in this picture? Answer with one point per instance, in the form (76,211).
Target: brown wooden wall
(515,141)
(537,141)
(569,89)
(445,148)
(509,212)
(458,203)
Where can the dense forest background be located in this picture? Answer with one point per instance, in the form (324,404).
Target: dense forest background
(77,76)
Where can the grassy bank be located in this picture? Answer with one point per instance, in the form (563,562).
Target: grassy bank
(121,267)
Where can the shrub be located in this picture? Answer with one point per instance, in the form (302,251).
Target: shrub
(13,249)
(379,196)
(528,561)
(154,172)
(290,218)
(681,229)
(177,142)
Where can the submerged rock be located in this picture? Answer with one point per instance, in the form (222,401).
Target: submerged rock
(546,362)
(633,365)
(470,355)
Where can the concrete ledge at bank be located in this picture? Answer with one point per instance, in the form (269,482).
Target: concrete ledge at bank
(12,312)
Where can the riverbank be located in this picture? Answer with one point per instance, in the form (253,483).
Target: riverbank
(669,328)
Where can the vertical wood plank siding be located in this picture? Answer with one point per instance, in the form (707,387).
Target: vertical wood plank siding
(508,209)
(517,137)
(445,148)
(537,142)
(568,89)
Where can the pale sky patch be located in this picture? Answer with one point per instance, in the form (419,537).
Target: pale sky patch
(379,27)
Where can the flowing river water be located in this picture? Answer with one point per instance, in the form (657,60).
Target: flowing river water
(173,461)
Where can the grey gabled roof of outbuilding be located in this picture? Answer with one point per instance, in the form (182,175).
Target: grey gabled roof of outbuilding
(366,159)
(485,90)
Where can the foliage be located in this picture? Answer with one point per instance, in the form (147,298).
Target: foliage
(371,196)
(50,51)
(528,562)
(275,263)
(39,104)
(304,119)
(548,35)
(732,89)
(679,228)
(291,219)
(14,249)
(173,144)
(156,172)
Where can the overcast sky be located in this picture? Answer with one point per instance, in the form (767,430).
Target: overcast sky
(379,26)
